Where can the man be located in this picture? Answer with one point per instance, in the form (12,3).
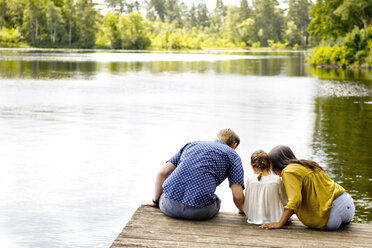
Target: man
(185,187)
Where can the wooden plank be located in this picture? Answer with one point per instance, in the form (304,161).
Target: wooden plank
(150,228)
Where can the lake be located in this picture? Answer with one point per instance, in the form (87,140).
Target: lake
(83,134)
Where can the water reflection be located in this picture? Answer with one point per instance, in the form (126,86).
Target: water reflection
(342,142)
(343,74)
(77,65)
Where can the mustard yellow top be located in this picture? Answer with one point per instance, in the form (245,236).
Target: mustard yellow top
(310,194)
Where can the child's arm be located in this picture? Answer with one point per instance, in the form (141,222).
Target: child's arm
(285,217)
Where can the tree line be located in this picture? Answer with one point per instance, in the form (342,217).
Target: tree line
(159,24)
(171,24)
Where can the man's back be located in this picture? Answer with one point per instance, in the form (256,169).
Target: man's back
(200,167)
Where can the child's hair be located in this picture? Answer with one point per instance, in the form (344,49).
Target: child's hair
(260,160)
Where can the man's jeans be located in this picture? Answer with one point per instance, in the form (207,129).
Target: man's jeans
(178,210)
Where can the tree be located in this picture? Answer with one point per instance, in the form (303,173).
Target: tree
(173,11)
(220,10)
(191,18)
(356,9)
(34,21)
(157,8)
(15,12)
(55,22)
(268,19)
(230,31)
(202,15)
(133,30)
(244,10)
(3,13)
(298,14)
(117,5)
(326,24)
(111,30)
(292,34)
(69,13)
(247,31)
(86,23)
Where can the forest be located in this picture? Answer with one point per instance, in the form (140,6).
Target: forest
(337,32)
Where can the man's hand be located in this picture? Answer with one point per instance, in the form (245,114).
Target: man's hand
(152,204)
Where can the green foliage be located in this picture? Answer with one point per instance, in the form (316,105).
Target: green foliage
(55,22)
(298,21)
(356,50)
(277,45)
(268,20)
(170,24)
(9,35)
(133,31)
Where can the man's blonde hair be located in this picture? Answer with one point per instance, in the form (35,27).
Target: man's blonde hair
(228,136)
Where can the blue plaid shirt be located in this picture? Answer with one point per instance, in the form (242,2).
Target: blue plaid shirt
(200,167)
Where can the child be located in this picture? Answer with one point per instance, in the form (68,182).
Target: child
(264,195)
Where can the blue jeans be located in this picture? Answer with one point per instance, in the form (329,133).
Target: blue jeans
(342,212)
(178,210)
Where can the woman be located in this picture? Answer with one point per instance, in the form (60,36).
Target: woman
(317,200)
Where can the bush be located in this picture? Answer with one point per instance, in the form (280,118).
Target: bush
(256,44)
(9,35)
(356,49)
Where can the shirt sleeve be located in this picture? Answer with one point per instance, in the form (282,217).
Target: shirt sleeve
(177,157)
(293,186)
(236,175)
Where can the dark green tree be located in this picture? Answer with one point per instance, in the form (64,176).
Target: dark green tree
(3,13)
(244,10)
(268,20)
(298,13)
(55,23)
(156,8)
(86,23)
(116,5)
(202,15)
(326,23)
(34,21)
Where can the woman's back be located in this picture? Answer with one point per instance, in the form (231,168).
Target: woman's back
(310,194)
(264,199)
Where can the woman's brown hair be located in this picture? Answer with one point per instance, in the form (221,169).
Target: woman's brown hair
(260,160)
(281,156)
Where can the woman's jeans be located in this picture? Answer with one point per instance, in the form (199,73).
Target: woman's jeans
(178,210)
(342,212)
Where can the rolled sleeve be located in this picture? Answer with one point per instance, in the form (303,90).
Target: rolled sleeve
(177,157)
(236,175)
(293,186)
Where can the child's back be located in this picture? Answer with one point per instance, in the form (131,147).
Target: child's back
(264,199)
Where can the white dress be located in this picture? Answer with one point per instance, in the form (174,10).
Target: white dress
(264,200)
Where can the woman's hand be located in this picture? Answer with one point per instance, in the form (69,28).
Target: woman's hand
(285,217)
(273,225)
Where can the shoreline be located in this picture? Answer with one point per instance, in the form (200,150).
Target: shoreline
(350,67)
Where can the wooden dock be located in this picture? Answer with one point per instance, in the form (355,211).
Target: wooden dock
(151,228)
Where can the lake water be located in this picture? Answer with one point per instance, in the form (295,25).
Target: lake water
(83,134)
